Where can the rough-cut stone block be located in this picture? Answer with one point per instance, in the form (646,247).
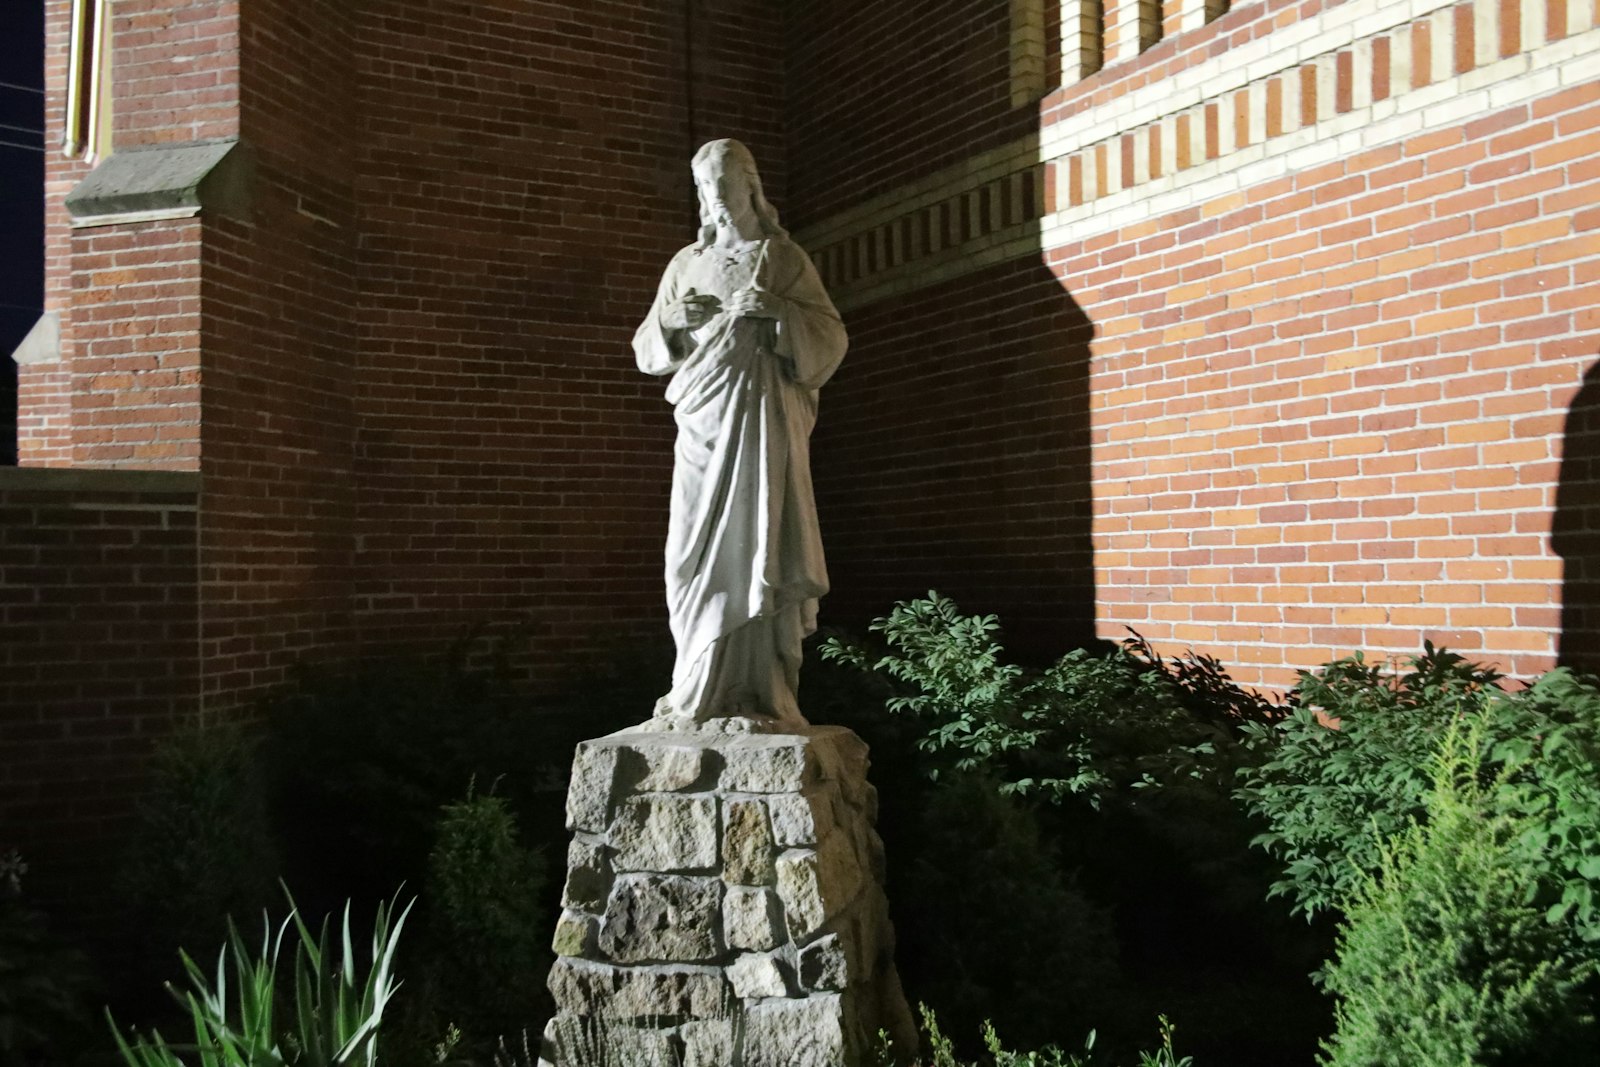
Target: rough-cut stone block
(571,1041)
(655,766)
(652,917)
(584,987)
(593,785)
(759,974)
(796,1033)
(769,763)
(665,832)
(707,1043)
(842,757)
(575,934)
(746,843)
(724,903)
(869,803)
(817,884)
(800,819)
(634,1046)
(751,919)
(588,875)
(824,965)
(869,936)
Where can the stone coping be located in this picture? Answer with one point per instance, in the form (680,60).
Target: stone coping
(147,183)
(97,480)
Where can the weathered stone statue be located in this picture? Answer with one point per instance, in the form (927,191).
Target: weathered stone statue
(724,902)
(749,335)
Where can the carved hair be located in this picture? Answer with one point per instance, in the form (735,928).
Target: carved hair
(732,155)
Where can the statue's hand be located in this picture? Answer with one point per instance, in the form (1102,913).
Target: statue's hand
(690,310)
(755,304)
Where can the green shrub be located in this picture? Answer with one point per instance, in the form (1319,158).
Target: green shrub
(1350,768)
(1089,726)
(1546,754)
(202,847)
(942,1051)
(1445,960)
(1130,759)
(1347,769)
(363,756)
(43,983)
(991,923)
(488,936)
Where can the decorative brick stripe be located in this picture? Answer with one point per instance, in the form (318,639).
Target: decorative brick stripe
(1449,42)
(943,234)
(1292,91)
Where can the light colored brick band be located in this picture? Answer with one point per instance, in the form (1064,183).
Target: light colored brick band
(1479,91)
(1360,74)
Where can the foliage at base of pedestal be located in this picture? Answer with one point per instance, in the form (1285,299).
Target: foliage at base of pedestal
(941,1051)
(1107,778)
(484,946)
(1154,772)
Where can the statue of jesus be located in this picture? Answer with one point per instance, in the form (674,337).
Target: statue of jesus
(742,323)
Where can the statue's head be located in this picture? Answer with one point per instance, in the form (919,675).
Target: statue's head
(732,161)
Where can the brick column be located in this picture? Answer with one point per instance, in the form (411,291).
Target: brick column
(1193,14)
(1131,27)
(1082,51)
(135,376)
(1028,77)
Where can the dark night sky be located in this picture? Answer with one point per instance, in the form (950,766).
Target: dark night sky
(21,194)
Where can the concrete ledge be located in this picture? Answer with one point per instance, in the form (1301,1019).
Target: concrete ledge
(43,343)
(87,480)
(170,181)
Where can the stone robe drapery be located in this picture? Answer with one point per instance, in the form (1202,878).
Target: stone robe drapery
(744,564)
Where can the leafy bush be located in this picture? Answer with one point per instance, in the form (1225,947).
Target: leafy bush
(202,847)
(1350,769)
(1547,757)
(488,928)
(1132,760)
(364,757)
(992,924)
(1089,726)
(1445,960)
(331,1016)
(43,983)
(942,1052)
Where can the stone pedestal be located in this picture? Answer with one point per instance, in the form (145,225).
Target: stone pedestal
(724,905)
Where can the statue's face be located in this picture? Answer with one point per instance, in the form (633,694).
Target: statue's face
(725,192)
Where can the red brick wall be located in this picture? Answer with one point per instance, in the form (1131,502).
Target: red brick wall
(278,302)
(135,366)
(952,452)
(44,412)
(44,390)
(1319,412)
(880,94)
(97,653)
(1330,411)
(174,74)
(523,182)
(1354,439)
(175,71)
(420,410)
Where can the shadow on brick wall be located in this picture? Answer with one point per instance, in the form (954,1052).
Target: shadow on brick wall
(953,453)
(1575,535)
